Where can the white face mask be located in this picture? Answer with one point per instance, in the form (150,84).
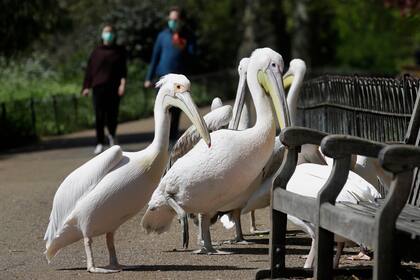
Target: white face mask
(107,36)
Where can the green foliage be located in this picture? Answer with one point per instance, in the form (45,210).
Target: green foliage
(372,36)
(218,28)
(24,22)
(137,24)
(31,77)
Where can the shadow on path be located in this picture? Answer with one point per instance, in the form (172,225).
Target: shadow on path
(246,250)
(171,268)
(85,141)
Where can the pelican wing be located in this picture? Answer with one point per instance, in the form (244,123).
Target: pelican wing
(215,120)
(80,182)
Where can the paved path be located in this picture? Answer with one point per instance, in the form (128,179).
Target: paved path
(29,179)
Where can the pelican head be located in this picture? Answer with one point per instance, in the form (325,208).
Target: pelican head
(269,66)
(293,79)
(296,71)
(240,94)
(175,92)
(216,103)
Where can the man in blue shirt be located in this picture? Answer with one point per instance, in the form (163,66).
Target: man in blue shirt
(171,54)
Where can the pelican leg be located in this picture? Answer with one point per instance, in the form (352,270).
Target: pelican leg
(183,217)
(113,260)
(207,248)
(340,246)
(253,227)
(200,241)
(89,259)
(239,239)
(309,263)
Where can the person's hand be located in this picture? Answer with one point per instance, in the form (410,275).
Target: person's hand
(85,92)
(121,90)
(147,84)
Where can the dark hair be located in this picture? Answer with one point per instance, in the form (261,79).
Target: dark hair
(179,10)
(108,25)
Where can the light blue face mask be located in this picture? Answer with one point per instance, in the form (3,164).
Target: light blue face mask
(107,36)
(172,24)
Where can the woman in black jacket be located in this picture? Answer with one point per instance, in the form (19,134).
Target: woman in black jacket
(106,74)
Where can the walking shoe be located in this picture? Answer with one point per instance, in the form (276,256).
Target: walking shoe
(98,149)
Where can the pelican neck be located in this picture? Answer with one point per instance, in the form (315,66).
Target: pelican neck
(162,124)
(263,111)
(292,98)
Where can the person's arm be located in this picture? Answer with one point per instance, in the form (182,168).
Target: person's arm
(191,45)
(157,49)
(123,72)
(87,82)
(121,88)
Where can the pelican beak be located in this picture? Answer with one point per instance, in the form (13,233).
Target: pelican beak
(273,85)
(183,101)
(239,103)
(288,80)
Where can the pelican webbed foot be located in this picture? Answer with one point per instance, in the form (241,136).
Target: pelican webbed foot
(104,270)
(256,231)
(213,243)
(360,257)
(238,241)
(113,266)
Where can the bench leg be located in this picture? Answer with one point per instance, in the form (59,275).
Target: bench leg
(324,254)
(278,243)
(386,259)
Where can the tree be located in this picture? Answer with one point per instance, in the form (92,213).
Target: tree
(24,22)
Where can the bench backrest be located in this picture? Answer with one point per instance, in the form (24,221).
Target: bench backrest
(380,109)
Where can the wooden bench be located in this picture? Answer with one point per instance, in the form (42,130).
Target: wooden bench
(375,109)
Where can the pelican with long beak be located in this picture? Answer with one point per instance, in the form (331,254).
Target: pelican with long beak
(219,117)
(111,188)
(204,180)
(257,195)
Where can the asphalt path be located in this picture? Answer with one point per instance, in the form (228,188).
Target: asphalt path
(29,178)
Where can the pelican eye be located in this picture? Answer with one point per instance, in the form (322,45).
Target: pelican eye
(179,88)
(273,64)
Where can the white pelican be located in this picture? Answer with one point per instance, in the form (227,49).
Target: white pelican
(203,181)
(219,117)
(308,179)
(257,195)
(111,188)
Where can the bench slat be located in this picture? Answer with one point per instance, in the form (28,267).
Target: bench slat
(408,221)
(347,223)
(302,207)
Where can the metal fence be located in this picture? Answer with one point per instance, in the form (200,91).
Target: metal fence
(370,107)
(25,120)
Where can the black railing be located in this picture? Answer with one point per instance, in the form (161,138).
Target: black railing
(24,120)
(370,107)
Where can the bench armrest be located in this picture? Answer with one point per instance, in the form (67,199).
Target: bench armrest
(338,146)
(297,136)
(398,158)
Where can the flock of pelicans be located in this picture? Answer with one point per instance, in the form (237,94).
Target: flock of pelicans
(228,171)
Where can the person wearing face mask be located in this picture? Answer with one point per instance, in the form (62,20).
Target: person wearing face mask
(106,75)
(172,53)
